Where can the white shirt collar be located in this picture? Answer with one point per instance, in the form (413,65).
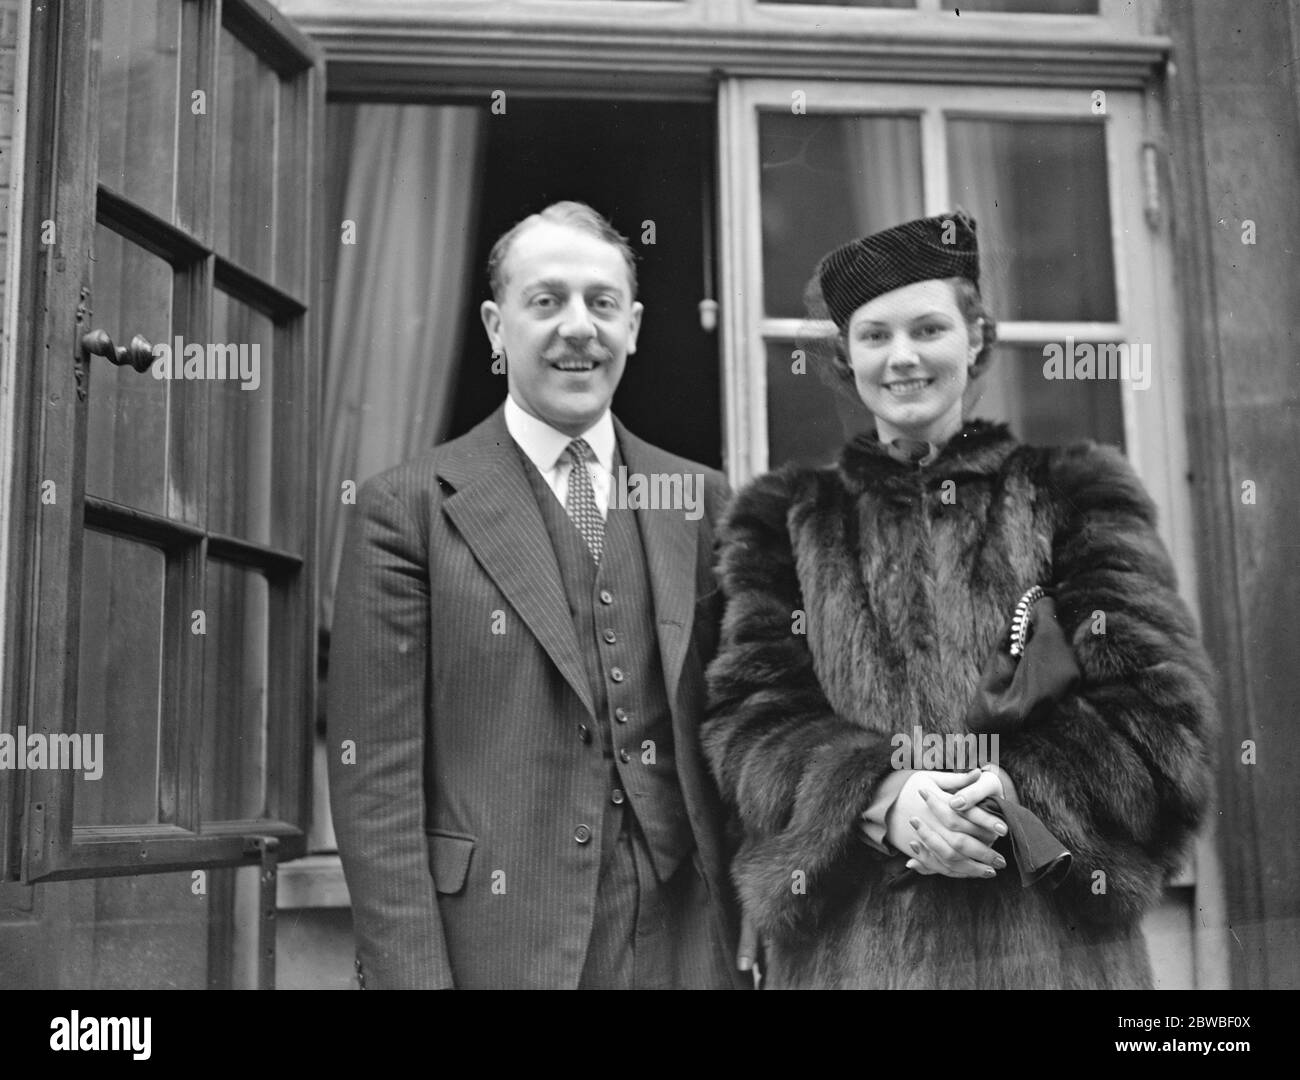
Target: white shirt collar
(544,445)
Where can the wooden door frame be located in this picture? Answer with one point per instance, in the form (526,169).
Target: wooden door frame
(50,289)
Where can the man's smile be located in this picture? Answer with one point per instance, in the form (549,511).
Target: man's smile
(575,363)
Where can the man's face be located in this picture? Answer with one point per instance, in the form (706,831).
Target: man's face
(566,324)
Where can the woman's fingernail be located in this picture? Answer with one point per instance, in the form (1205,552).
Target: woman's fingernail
(958,802)
(999,862)
(912,864)
(990,872)
(925,795)
(915,847)
(915,822)
(1000,829)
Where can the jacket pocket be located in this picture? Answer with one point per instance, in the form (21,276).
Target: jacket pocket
(449,855)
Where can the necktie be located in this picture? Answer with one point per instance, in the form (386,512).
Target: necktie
(580,503)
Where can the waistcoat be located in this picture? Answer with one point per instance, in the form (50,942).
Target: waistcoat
(613,614)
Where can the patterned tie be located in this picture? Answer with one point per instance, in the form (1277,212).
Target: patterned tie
(580,503)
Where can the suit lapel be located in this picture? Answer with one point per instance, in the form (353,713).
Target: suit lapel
(670,543)
(497,514)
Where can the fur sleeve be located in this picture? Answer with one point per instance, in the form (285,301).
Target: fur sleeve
(1121,771)
(795,774)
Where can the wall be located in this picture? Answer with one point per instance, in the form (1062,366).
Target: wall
(1235,168)
(8,67)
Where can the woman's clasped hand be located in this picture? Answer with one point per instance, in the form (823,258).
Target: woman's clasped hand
(937,819)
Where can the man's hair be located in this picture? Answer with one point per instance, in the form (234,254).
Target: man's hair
(576,215)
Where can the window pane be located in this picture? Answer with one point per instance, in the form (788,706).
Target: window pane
(1020,7)
(826,180)
(245,197)
(1046,410)
(808,421)
(232,776)
(126,432)
(139,63)
(1039,193)
(119,679)
(239,430)
(848,3)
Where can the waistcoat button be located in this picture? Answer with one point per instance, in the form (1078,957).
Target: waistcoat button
(582,833)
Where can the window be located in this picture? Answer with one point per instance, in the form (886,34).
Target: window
(1056,181)
(177,551)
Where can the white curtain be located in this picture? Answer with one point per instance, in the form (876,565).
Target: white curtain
(408,180)
(885,184)
(885,189)
(984,183)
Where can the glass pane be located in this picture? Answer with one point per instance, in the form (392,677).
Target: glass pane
(808,420)
(825,180)
(847,3)
(119,679)
(126,426)
(244,208)
(239,429)
(139,65)
(1021,7)
(1039,193)
(232,775)
(1054,411)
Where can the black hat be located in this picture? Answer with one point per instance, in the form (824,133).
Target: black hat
(914,251)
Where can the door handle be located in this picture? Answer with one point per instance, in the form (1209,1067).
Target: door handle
(139,354)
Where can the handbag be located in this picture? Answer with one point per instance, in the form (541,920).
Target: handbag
(1028,673)
(1032,667)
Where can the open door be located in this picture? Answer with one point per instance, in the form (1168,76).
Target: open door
(163,667)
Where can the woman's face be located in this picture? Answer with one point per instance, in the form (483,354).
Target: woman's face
(910,351)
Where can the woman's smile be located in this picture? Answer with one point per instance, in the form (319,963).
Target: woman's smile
(908,387)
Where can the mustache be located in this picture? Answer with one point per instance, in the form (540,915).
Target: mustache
(594,352)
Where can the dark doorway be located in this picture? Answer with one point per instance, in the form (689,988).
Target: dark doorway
(636,163)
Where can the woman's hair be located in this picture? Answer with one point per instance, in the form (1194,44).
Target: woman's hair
(969,302)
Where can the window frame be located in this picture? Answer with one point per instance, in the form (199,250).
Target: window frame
(1155,439)
(1117,16)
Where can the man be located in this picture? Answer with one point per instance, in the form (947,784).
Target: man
(518,658)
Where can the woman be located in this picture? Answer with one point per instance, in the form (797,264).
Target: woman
(863,602)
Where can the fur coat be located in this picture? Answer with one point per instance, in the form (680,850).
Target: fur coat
(863,601)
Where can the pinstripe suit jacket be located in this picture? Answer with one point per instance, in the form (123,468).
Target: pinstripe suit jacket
(455,671)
